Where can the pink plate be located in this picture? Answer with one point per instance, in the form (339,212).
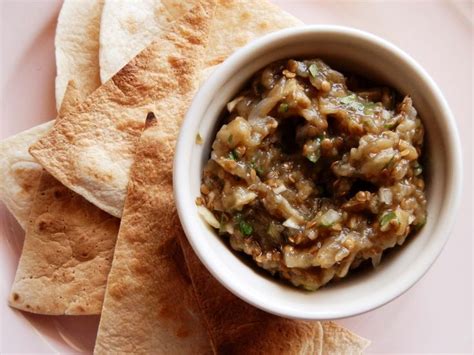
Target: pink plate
(434,316)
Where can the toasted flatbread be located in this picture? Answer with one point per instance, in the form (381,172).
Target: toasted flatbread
(77,46)
(66,255)
(150,306)
(68,247)
(237,22)
(19,172)
(339,340)
(127,27)
(238,328)
(91,153)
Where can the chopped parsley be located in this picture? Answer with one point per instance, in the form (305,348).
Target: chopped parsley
(314,155)
(387,217)
(351,102)
(258,169)
(369,108)
(233,155)
(283,107)
(245,228)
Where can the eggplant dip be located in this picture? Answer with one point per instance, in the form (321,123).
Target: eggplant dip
(312,173)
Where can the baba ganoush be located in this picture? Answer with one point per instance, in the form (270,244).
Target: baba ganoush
(312,172)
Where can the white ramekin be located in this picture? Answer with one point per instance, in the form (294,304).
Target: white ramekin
(348,50)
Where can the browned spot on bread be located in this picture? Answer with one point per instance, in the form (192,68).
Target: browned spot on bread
(178,64)
(180,68)
(69,136)
(58,194)
(80,309)
(83,248)
(118,290)
(142,266)
(245,16)
(216,61)
(226,3)
(47,223)
(263,26)
(15,296)
(130,127)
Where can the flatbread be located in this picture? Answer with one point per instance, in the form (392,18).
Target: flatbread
(68,247)
(128,26)
(238,22)
(66,255)
(77,46)
(19,172)
(238,328)
(150,306)
(339,340)
(91,153)
(148,285)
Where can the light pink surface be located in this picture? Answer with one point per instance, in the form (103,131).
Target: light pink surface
(435,316)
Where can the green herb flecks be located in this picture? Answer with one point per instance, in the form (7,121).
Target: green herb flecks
(329,218)
(258,169)
(283,107)
(315,150)
(245,227)
(369,108)
(387,217)
(313,70)
(351,102)
(233,155)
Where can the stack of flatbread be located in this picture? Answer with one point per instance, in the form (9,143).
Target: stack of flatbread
(93,189)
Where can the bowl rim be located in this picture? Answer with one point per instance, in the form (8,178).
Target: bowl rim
(186,140)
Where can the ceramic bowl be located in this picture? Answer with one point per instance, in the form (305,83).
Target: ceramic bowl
(347,50)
